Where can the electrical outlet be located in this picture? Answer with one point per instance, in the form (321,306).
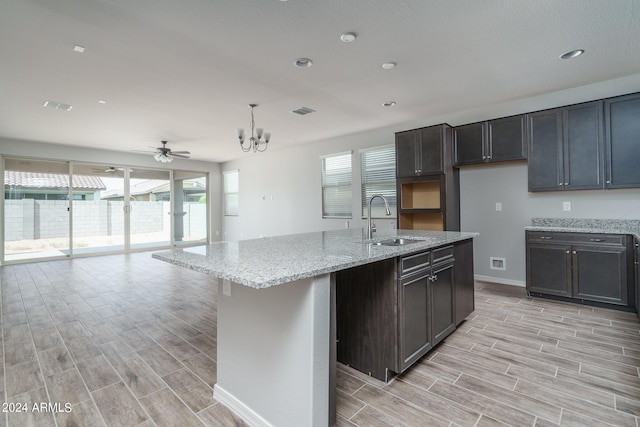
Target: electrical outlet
(498,206)
(226,287)
(566,206)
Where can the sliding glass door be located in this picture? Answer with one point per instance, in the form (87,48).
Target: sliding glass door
(98,217)
(189,207)
(149,208)
(60,209)
(36,209)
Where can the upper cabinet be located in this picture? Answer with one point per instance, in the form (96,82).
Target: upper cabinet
(566,148)
(428,185)
(421,151)
(491,141)
(622,125)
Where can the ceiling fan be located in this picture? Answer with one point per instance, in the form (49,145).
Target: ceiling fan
(109,169)
(164,154)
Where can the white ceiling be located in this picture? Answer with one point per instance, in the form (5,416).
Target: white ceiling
(185,70)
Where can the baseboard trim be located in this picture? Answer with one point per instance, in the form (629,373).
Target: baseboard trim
(500,281)
(240,409)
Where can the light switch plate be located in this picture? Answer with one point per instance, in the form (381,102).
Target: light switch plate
(226,287)
(498,206)
(566,206)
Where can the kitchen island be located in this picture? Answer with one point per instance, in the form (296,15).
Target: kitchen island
(276,315)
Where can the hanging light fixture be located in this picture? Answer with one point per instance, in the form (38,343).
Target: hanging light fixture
(163,158)
(256,143)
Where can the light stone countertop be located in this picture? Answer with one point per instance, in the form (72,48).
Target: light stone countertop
(261,263)
(583,225)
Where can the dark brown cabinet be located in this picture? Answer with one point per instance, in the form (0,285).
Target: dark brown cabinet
(496,140)
(427,309)
(464,280)
(366,317)
(421,151)
(428,186)
(636,261)
(391,313)
(622,125)
(566,148)
(582,266)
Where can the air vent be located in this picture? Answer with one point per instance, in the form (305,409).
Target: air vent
(498,263)
(57,105)
(303,111)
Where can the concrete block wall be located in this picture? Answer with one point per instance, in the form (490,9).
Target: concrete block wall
(195,221)
(147,217)
(51,219)
(29,219)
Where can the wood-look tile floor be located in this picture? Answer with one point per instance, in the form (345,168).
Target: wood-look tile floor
(126,340)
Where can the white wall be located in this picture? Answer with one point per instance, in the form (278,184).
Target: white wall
(292,178)
(280,191)
(502,234)
(46,151)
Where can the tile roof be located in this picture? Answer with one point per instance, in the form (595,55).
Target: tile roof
(51,180)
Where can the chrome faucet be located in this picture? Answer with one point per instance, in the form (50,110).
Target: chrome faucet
(372,227)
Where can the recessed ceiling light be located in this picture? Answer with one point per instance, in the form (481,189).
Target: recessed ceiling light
(348,37)
(389,104)
(389,65)
(572,54)
(78,48)
(303,63)
(102,101)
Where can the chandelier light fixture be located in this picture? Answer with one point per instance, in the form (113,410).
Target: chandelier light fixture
(256,142)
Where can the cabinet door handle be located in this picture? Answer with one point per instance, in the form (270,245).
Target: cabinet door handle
(433,278)
(560,184)
(596,240)
(566,183)
(574,252)
(546,237)
(568,252)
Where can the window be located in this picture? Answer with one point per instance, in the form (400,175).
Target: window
(378,169)
(336,186)
(231,182)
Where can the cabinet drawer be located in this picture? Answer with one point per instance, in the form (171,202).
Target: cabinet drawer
(442,254)
(580,238)
(412,263)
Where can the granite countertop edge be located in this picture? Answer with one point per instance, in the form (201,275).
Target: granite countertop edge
(351,251)
(599,226)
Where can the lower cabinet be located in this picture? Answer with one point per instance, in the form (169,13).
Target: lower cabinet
(636,261)
(391,313)
(464,280)
(581,266)
(427,303)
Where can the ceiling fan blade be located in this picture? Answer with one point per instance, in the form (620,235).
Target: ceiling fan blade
(143,151)
(179,155)
(180,152)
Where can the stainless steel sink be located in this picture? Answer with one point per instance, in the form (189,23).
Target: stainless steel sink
(397,242)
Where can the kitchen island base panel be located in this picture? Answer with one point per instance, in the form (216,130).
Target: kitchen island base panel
(274,341)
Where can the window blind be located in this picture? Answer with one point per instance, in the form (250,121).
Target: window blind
(231,184)
(378,170)
(336,186)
